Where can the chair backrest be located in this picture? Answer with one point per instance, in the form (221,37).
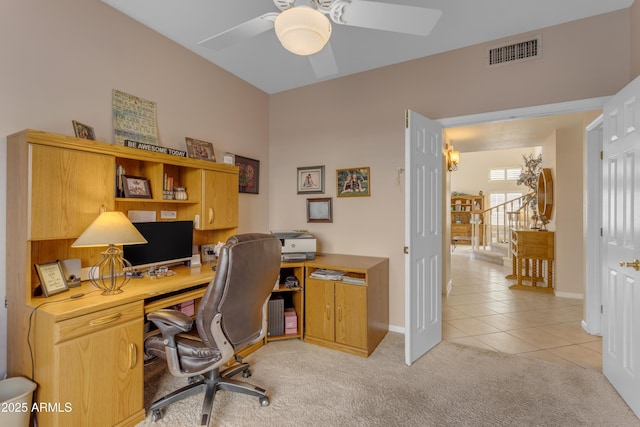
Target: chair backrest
(247,270)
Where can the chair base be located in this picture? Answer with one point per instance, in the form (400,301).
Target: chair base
(210,384)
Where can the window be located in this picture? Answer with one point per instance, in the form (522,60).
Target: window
(502,174)
(496,174)
(513,174)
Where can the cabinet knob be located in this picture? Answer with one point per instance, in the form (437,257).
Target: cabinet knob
(328,311)
(210,215)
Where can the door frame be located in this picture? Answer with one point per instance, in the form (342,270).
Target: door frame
(592,322)
(592,190)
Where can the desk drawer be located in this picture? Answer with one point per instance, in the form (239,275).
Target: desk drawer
(90,323)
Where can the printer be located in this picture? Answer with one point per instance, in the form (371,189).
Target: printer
(296,246)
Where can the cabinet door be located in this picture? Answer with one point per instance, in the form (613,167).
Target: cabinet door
(70,188)
(219,201)
(101,376)
(319,309)
(351,315)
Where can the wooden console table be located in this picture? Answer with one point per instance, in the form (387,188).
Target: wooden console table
(530,249)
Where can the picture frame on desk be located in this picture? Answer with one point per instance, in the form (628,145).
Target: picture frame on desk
(136,187)
(52,279)
(202,150)
(83,131)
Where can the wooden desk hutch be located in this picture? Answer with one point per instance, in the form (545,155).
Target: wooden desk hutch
(88,351)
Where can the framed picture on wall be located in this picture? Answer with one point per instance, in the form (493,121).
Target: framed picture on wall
(311,179)
(353,182)
(249,175)
(320,210)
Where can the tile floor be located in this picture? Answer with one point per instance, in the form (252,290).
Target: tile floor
(482,311)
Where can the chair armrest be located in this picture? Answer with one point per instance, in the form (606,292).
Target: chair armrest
(171,322)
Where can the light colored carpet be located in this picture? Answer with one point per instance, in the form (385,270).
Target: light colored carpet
(452,385)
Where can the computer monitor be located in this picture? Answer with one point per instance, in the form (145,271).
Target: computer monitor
(168,243)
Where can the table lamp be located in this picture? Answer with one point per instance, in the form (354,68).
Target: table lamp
(110,229)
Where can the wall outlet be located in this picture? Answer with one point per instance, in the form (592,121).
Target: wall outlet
(208,253)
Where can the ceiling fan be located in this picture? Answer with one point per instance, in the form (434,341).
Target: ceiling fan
(302,27)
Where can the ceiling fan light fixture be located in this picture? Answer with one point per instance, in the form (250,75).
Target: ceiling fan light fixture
(303,30)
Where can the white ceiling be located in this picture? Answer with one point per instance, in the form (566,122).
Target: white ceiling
(529,132)
(264,63)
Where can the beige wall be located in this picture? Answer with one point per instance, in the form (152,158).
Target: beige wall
(358,121)
(634,49)
(60,62)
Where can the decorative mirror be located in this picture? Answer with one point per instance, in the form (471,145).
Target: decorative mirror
(545,193)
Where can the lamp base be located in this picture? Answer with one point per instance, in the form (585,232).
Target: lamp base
(111,292)
(109,273)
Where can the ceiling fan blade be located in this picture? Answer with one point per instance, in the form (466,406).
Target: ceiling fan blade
(323,63)
(385,16)
(240,32)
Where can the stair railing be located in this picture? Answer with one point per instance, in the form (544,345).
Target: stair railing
(512,214)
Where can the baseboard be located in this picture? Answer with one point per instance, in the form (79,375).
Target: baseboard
(585,327)
(569,295)
(398,329)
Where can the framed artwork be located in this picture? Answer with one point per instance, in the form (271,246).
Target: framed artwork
(249,175)
(136,187)
(202,150)
(83,131)
(51,278)
(134,119)
(353,182)
(311,180)
(320,210)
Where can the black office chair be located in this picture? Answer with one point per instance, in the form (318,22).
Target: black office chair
(231,316)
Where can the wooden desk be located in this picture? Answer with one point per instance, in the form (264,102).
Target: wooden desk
(530,249)
(349,317)
(88,351)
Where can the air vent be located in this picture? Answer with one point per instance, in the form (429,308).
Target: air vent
(515,52)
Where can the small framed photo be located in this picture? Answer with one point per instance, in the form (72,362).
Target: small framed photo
(353,182)
(83,131)
(51,278)
(136,187)
(311,180)
(249,175)
(320,210)
(202,150)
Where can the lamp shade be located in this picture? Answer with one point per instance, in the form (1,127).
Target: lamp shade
(455,157)
(302,30)
(110,228)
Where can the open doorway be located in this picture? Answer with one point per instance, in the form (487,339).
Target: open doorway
(496,131)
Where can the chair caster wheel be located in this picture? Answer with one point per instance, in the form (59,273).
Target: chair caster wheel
(264,401)
(246,373)
(156,415)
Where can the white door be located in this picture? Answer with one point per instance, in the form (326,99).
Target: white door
(621,244)
(423,235)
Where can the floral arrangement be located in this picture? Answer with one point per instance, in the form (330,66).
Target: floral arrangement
(529,177)
(530,171)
